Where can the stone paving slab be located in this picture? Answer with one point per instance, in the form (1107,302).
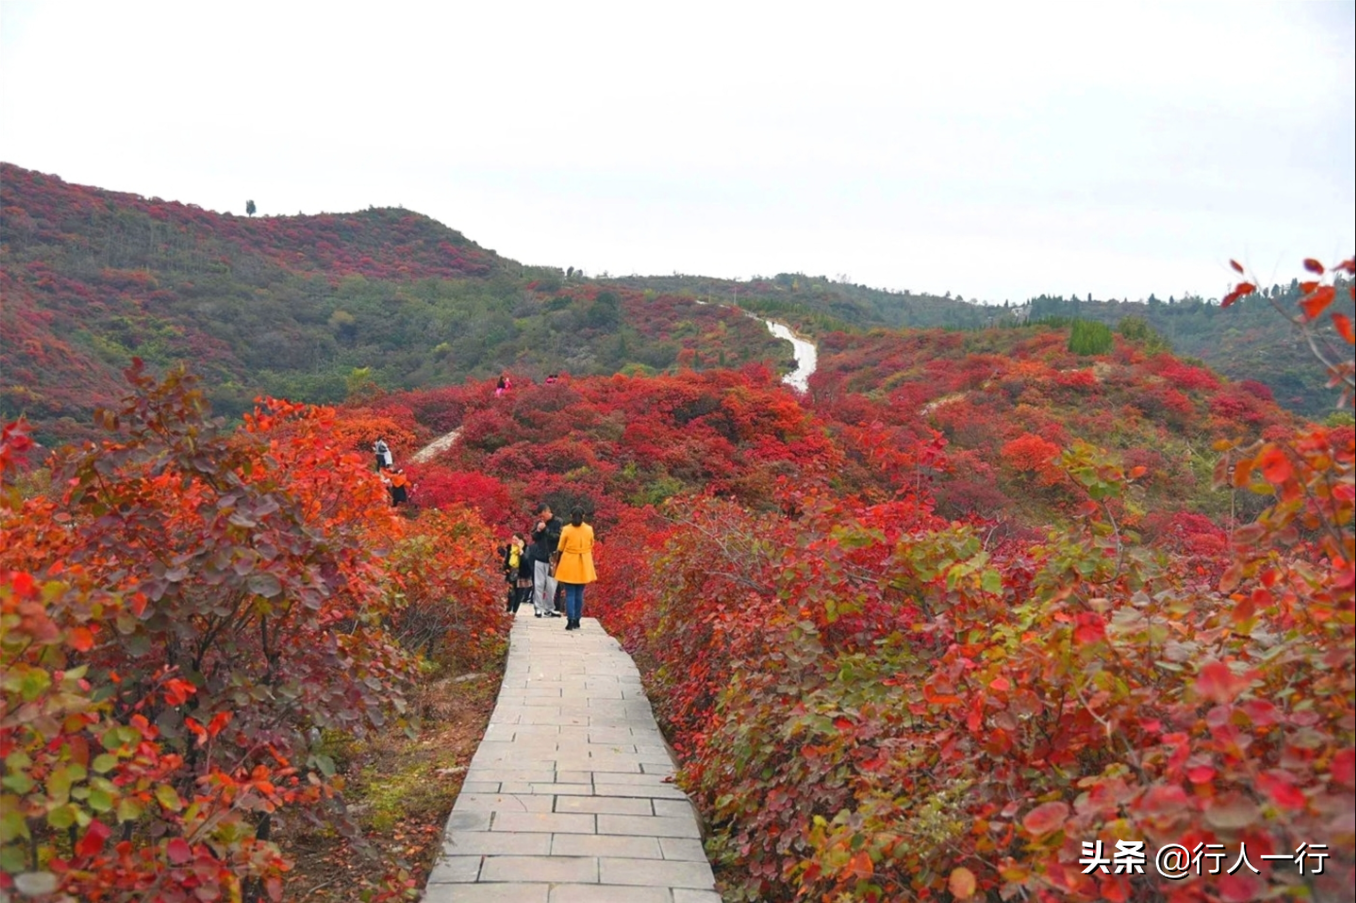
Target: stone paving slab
(567,798)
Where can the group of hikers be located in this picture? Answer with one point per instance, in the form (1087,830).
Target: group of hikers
(506,383)
(552,569)
(558,562)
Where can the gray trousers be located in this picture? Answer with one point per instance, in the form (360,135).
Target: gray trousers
(543,588)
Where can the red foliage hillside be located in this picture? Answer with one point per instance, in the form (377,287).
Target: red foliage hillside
(379,243)
(993,395)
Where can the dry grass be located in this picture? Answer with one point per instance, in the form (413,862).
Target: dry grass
(399,792)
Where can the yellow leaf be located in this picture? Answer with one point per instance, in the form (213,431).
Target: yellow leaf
(962,883)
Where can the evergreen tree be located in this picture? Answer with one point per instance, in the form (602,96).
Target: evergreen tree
(1090,337)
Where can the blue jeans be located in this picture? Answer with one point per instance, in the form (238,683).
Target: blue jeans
(574,601)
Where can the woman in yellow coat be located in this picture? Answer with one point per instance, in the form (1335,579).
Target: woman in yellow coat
(574,570)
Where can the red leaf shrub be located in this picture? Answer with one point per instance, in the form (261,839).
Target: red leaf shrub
(184,612)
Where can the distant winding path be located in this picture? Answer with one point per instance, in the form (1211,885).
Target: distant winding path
(807,360)
(806,354)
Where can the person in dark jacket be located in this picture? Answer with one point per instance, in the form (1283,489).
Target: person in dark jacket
(545,536)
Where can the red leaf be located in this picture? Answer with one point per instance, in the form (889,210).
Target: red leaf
(177,691)
(1219,684)
(179,851)
(23,584)
(1000,684)
(93,841)
(80,639)
(1163,798)
(1238,267)
(860,866)
(962,883)
(1343,324)
(1275,466)
(219,721)
(1240,888)
(1243,289)
(1347,266)
(1200,774)
(200,731)
(1091,629)
(1261,712)
(1344,767)
(1113,890)
(1281,791)
(1046,818)
(1318,302)
(1313,266)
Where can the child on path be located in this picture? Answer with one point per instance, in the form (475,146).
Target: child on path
(513,560)
(524,580)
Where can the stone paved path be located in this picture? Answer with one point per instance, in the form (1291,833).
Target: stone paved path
(565,800)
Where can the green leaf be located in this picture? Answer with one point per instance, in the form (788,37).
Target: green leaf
(13,858)
(100,800)
(104,763)
(324,763)
(12,823)
(17,759)
(129,809)
(32,682)
(168,797)
(62,817)
(18,781)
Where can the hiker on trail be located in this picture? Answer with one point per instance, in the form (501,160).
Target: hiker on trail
(399,486)
(545,536)
(574,567)
(551,379)
(503,386)
(383,452)
(514,553)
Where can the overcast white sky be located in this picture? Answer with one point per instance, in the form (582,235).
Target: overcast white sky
(993,150)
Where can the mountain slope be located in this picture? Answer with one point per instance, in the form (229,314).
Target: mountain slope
(308,307)
(302,306)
